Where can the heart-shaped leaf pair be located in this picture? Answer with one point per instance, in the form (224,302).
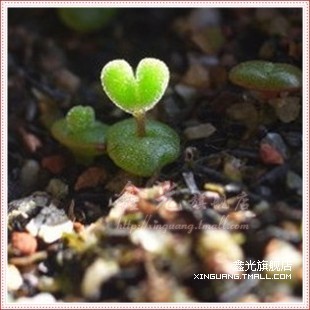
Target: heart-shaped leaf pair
(135,93)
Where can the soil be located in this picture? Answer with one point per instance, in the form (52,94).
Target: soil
(240,162)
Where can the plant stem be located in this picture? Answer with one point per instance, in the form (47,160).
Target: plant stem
(140,119)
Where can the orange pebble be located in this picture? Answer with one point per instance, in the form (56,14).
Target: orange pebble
(54,163)
(24,243)
(78,227)
(269,155)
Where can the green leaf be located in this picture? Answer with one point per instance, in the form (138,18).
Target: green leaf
(266,76)
(80,118)
(142,156)
(81,133)
(135,93)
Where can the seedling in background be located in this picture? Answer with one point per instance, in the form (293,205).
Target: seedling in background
(86,19)
(270,82)
(81,133)
(137,145)
(266,77)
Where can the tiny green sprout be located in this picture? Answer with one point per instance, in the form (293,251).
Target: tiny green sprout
(86,19)
(135,93)
(272,83)
(81,133)
(265,76)
(140,147)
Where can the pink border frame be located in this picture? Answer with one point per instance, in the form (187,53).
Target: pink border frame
(3,53)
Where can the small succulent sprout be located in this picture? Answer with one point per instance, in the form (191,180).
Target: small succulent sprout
(80,119)
(135,93)
(265,76)
(81,133)
(140,147)
(86,19)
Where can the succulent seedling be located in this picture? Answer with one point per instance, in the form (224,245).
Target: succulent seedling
(86,19)
(273,83)
(266,77)
(81,133)
(137,145)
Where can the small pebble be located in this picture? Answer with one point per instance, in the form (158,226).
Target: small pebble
(29,174)
(232,188)
(187,93)
(232,168)
(91,177)
(50,224)
(57,188)
(197,76)
(154,241)
(200,131)
(24,243)
(55,164)
(220,241)
(282,252)
(273,149)
(14,278)
(287,109)
(269,155)
(41,298)
(48,284)
(294,182)
(96,274)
